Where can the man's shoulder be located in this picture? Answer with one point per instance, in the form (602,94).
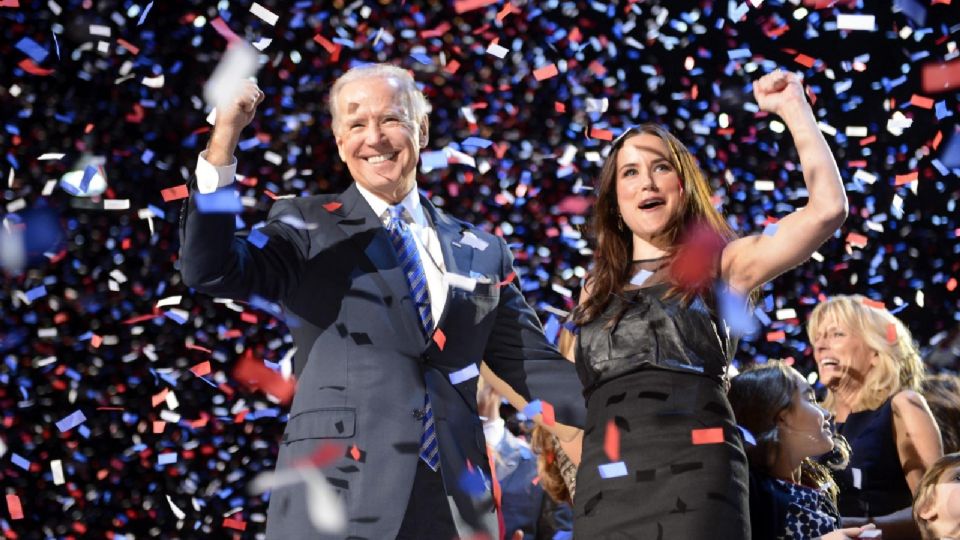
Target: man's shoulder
(470,228)
(308,204)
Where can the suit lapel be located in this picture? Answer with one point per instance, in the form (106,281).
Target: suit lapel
(457,258)
(364,228)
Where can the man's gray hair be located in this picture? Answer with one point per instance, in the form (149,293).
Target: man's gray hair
(414,102)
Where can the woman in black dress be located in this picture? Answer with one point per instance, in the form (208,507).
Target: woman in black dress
(867,360)
(652,350)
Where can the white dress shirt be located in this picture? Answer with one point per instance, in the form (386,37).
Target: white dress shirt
(211,177)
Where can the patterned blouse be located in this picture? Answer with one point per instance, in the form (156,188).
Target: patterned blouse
(811,512)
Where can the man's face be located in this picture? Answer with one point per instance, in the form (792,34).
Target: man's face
(377,139)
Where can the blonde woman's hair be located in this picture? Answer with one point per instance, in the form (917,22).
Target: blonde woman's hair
(898,364)
(928,484)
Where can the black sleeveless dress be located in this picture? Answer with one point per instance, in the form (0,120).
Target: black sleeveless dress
(655,368)
(873,484)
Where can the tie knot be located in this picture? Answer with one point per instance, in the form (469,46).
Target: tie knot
(397,215)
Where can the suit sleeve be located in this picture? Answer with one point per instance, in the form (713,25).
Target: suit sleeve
(519,353)
(216,260)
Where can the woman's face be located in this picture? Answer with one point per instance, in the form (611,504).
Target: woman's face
(649,188)
(841,355)
(943,512)
(804,428)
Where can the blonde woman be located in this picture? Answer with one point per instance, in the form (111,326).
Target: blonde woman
(867,360)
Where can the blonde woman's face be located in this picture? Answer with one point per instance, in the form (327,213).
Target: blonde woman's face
(943,512)
(841,355)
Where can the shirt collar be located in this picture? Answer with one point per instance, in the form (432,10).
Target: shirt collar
(411,202)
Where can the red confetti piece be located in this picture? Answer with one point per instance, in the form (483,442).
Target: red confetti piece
(159,426)
(160,397)
(874,303)
(937,139)
(940,77)
(902,179)
(439,31)
(325,455)
(201,369)
(355,453)
(463,6)
(439,338)
(867,140)
(237,524)
(779,335)
(547,414)
(575,35)
(601,134)
(198,348)
(545,72)
(707,436)
(9,3)
(951,284)
(175,193)
(597,68)
(13,505)
(507,280)
(804,60)
(254,375)
(559,107)
(331,206)
(32,68)
(857,240)
(507,10)
(611,441)
(134,50)
(891,333)
(247,317)
(95,341)
(922,102)
(134,117)
(452,67)
(224,30)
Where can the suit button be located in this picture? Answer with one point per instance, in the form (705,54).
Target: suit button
(419,414)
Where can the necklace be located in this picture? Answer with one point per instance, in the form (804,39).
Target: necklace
(655,259)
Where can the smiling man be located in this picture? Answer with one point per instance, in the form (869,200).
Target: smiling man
(387,351)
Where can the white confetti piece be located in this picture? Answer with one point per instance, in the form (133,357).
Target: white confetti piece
(238,64)
(613,470)
(470,239)
(497,50)
(264,14)
(99,30)
(153,82)
(459,282)
(856,22)
(116,204)
(169,301)
(864,176)
(764,185)
(324,508)
(786,313)
(857,477)
(50,156)
(56,468)
(175,509)
(640,278)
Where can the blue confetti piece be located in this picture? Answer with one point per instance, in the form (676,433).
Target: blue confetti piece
(84,431)
(222,201)
(950,155)
(465,374)
(473,482)
(552,329)
(941,110)
(747,436)
(36,292)
(88,174)
(477,141)
(762,316)
(737,13)
(257,238)
(735,310)
(613,470)
(71,421)
(771,229)
(533,408)
(20,461)
(430,161)
(157,211)
(32,49)
(737,54)
(166,458)
(422,58)
(176,317)
(143,15)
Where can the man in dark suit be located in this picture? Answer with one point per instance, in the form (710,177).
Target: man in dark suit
(393,304)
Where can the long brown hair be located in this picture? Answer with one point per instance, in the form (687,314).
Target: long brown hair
(614,242)
(758,395)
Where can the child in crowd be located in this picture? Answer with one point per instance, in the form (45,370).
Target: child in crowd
(937,506)
(791,495)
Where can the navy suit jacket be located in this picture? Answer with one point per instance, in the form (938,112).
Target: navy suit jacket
(363,364)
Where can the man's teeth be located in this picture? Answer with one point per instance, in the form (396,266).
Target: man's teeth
(380,159)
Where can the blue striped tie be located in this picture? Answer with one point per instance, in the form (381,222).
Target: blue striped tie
(409,257)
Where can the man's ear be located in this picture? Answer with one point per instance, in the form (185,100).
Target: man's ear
(424,131)
(339,142)
(926,510)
